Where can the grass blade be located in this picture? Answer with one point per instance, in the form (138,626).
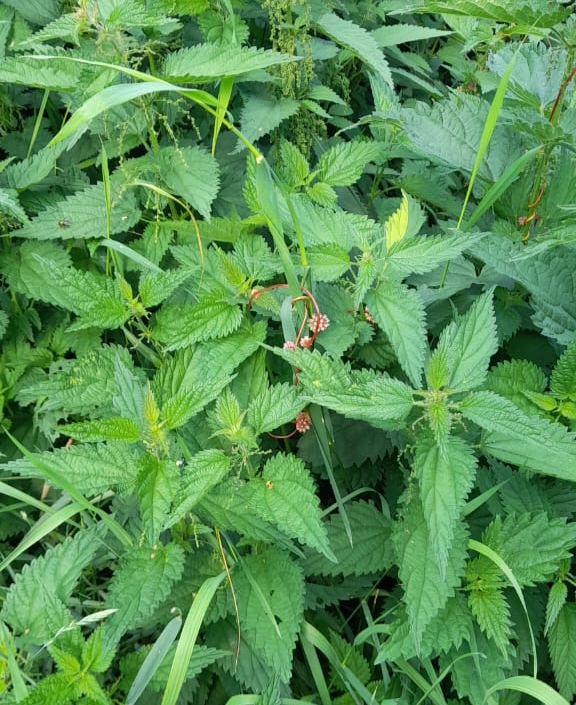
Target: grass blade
(531,686)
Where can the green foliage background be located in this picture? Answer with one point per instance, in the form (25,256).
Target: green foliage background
(287,352)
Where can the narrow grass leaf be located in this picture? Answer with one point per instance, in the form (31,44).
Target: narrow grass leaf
(531,686)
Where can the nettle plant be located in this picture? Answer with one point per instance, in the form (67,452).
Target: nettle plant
(288,360)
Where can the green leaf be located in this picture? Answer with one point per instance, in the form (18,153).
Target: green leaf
(445,479)
(204,63)
(518,380)
(179,325)
(83,215)
(112,429)
(36,602)
(563,377)
(140,584)
(190,172)
(468,344)
(156,487)
(270,595)
(359,41)
(22,175)
(363,395)
(426,590)
(370,550)
(418,255)
(285,495)
(187,402)
(9,204)
(261,114)
(396,227)
(562,649)
(343,164)
(399,311)
(393,35)
(24,70)
(204,471)
(556,600)
(329,261)
(492,612)
(526,441)
(128,399)
(274,406)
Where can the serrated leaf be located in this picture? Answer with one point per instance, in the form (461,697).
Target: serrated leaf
(393,35)
(359,41)
(562,649)
(59,75)
(128,398)
(156,486)
(204,471)
(563,377)
(550,541)
(209,62)
(426,591)
(179,325)
(363,395)
(9,204)
(492,612)
(469,343)
(141,582)
(524,13)
(396,226)
(21,175)
(285,495)
(519,381)
(270,595)
(445,479)
(343,164)
(115,428)
(186,403)
(156,287)
(261,114)
(274,406)
(418,255)
(399,311)
(35,604)
(329,261)
(526,441)
(83,215)
(556,601)
(190,172)
(370,552)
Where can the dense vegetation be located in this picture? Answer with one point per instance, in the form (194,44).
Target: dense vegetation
(288,354)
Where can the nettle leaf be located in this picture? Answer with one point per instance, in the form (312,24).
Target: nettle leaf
(468,344)
(261,114)
(343,164)
(35,604)
(563,377)
(359,41)
(204,63)
(21,175)
(156,287)
(83,215)
(186,403)
(82,386)
(190,172)
(419,255)
(139,585)
(492,612)
(284,494)
(93,469)
(270,594)
(204,471)
(58,75)
(370,550)
(128,398)
(399,311)
(10,205)
(156,486)
(556,600)
(274,406)
(396,226)
(329,261)
(529,13)
(527,441)
(562,647)
(364,395)
(179,325)
(550,541)
(393,35)
(445,479)
(293,164)
(192,366)
(111,429)
(449,132)
(517,380)
(426,590)
(548,277)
